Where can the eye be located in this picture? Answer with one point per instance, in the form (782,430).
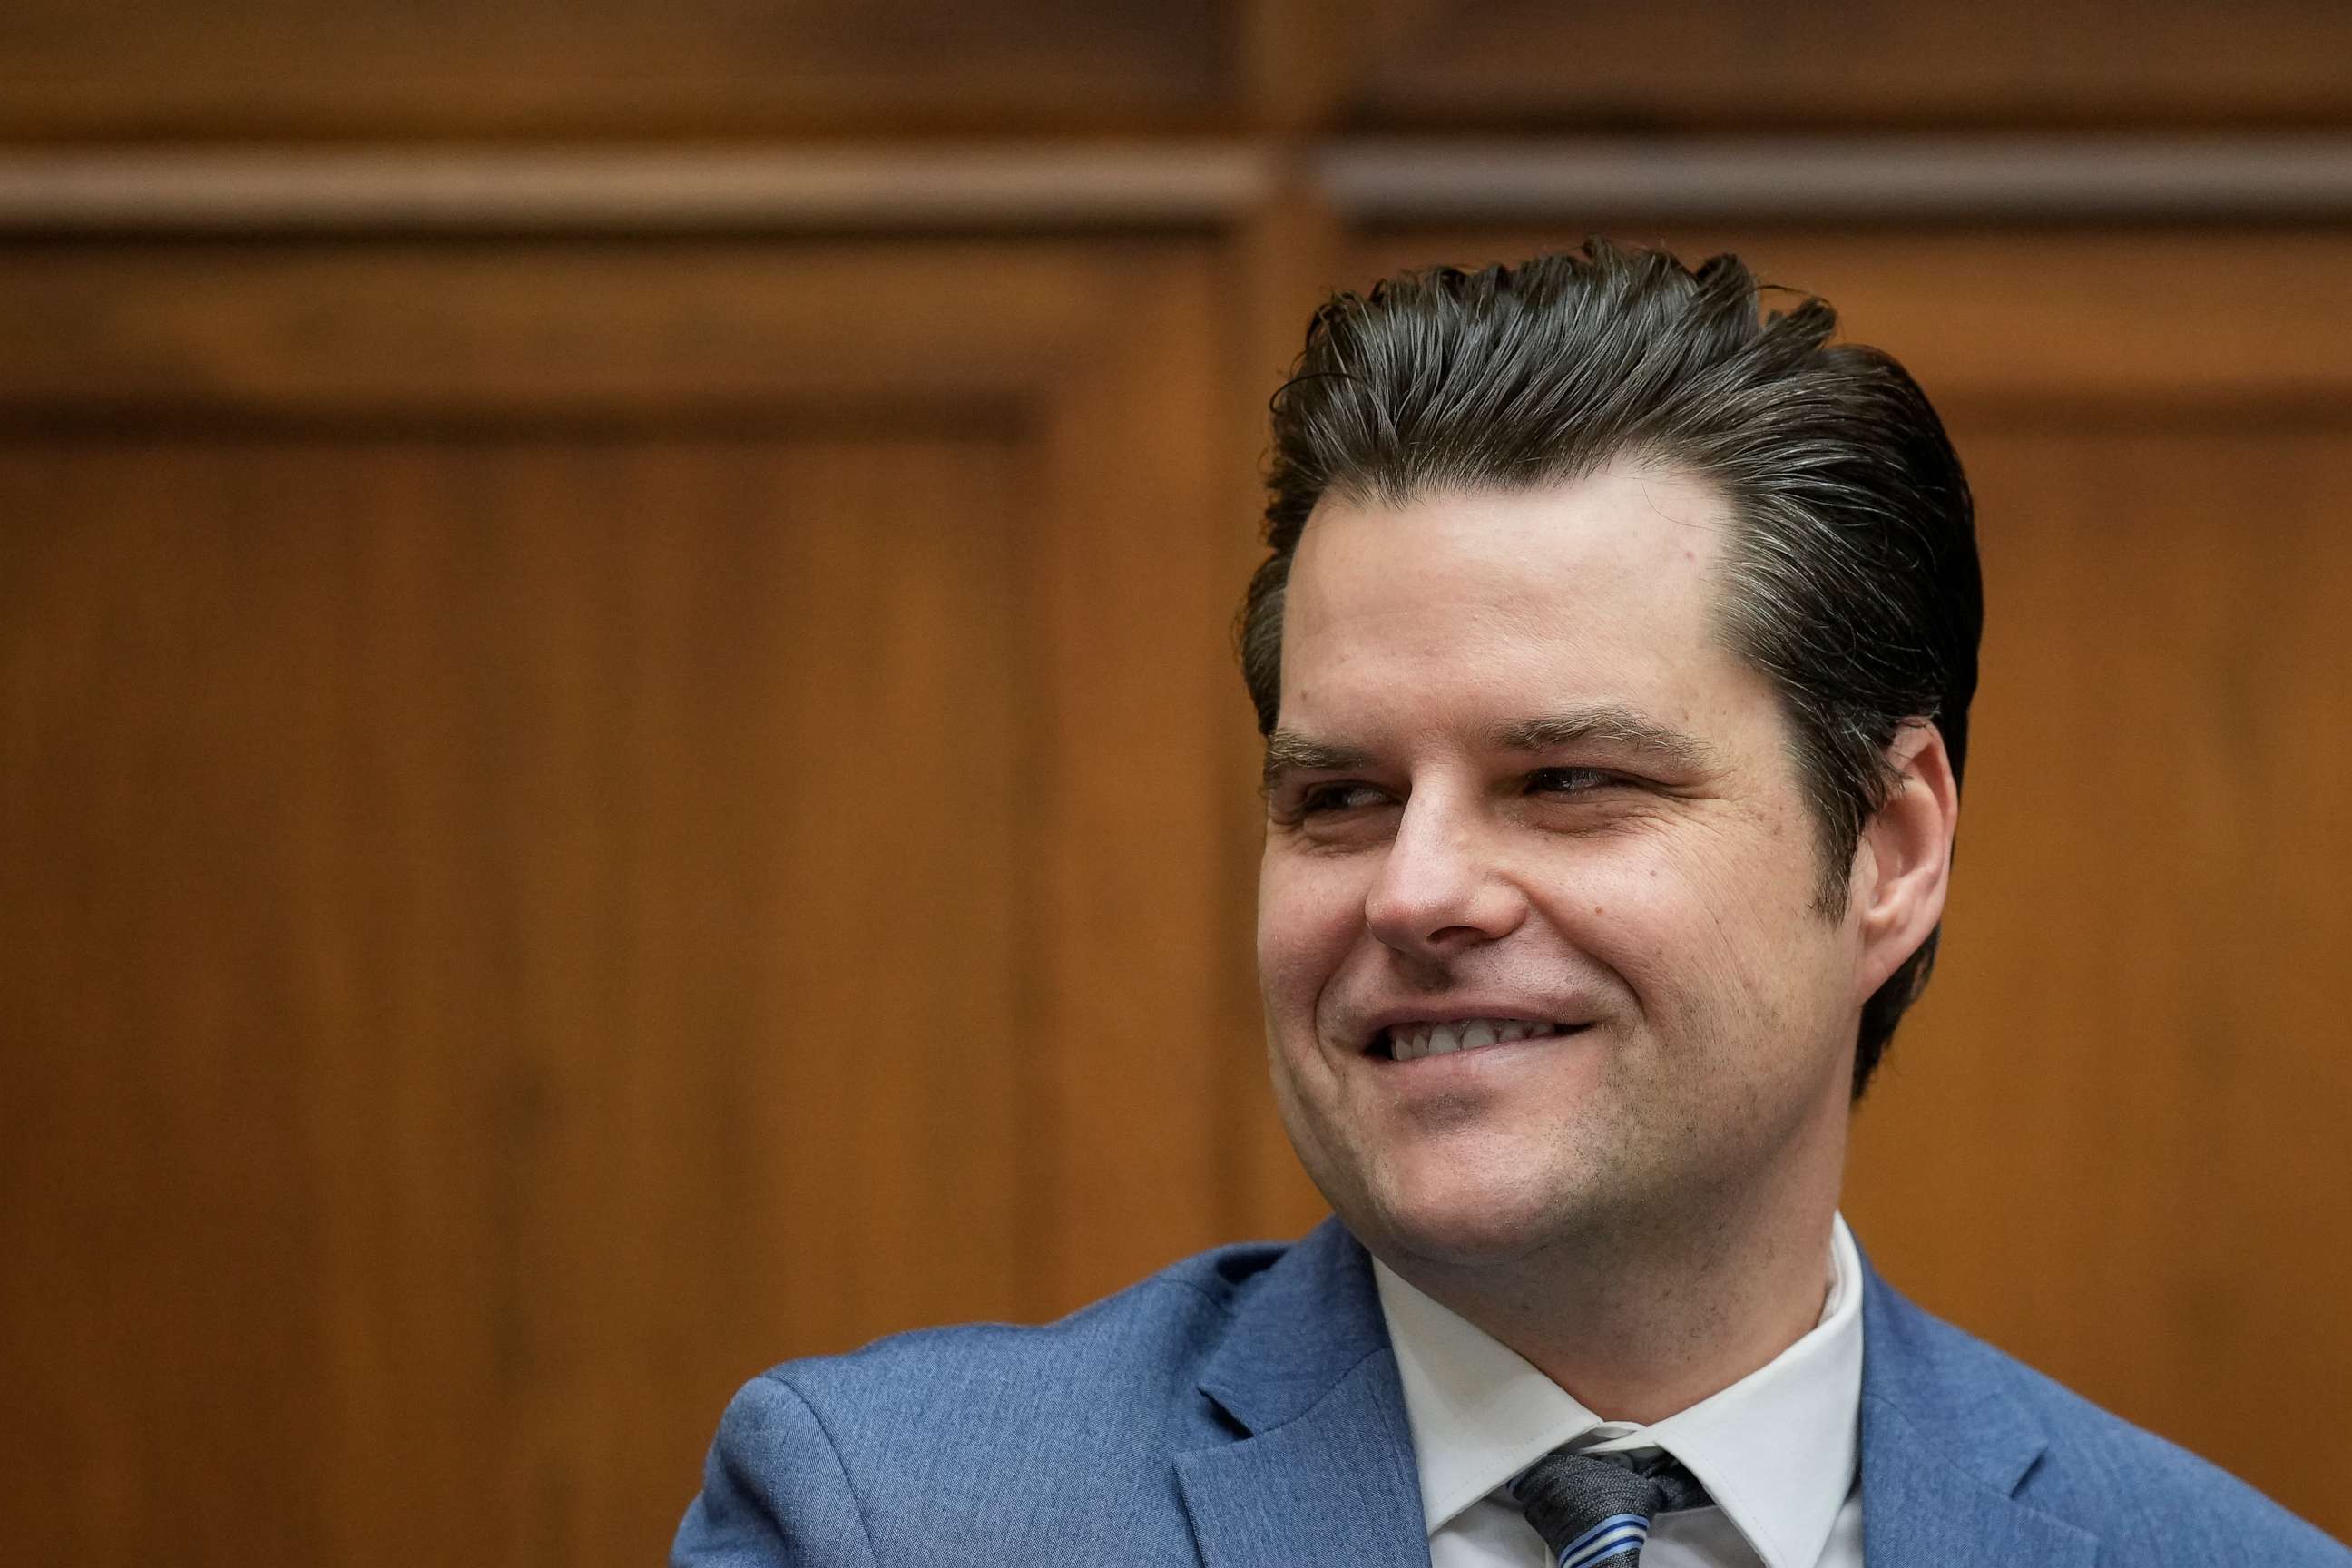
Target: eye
(1570,781)
(1316,800)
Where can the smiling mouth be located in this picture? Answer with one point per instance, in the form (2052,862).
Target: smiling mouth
(1411,1042)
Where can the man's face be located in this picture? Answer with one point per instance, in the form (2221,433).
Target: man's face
(1519,787)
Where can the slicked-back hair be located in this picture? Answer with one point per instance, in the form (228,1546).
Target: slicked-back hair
(1850,580)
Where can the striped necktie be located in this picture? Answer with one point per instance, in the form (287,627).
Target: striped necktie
(1595,1509)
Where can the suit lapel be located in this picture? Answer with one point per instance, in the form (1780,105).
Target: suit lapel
(1324,1472)
(1945,1448)
(1336,1486)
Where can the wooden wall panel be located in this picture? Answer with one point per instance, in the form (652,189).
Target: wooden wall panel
(519,917)
(2115,1143)
(1526,64)
(166,68)
(2112,1139)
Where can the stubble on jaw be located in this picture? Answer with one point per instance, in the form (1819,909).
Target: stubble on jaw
(1629,1291)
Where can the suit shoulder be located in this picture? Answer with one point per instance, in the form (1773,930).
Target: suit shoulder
(1009,1442)
(1120,1368)
(2178,1505)
(2148,1499)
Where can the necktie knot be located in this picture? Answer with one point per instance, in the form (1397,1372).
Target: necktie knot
(1595,1509)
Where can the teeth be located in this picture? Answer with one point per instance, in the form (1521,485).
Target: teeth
(1411,1042)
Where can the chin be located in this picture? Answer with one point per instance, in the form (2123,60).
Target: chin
(1453,1213)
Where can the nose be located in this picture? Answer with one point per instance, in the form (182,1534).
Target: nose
(1442,888)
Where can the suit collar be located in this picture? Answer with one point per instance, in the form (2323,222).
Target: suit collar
(1297,1330)
(1945,1447)
(1324,1472)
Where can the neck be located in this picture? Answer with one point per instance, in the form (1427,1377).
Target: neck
(1641,1320)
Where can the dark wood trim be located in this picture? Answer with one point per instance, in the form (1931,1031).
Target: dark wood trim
(960,186)
(1844,179)
(969,186)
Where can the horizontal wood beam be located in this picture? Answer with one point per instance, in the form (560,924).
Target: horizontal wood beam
(962,186)
(1864,178)
(975,185)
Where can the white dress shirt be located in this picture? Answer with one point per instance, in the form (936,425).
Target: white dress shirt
(1779,1451)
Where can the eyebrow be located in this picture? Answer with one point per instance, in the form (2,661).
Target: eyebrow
(1288,751)
(1611,723)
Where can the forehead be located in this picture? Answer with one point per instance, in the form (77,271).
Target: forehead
(1480,603)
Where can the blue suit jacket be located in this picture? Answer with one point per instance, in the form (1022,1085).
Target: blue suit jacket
(1242,1407)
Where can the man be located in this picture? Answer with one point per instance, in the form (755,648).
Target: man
(1614,656)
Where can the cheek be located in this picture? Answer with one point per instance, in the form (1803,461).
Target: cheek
(1714,938)
(1309,914)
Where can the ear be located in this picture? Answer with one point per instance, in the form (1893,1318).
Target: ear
(1905,863)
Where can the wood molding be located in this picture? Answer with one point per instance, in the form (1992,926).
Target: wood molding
(683,330)
(2183,322)
(1911,179)
(960,186)
(967,186)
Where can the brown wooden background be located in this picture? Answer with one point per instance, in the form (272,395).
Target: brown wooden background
(618,758)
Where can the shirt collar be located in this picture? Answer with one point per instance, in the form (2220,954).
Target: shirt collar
(1777,1451)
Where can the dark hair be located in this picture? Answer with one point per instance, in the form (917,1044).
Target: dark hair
(1852,578)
